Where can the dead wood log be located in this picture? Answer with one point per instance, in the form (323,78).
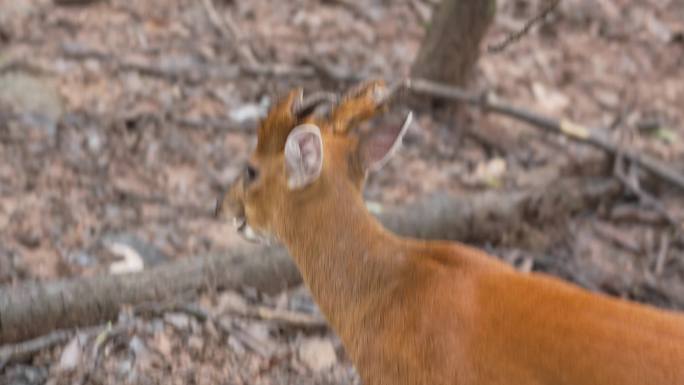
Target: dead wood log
(33,309)
(492,216)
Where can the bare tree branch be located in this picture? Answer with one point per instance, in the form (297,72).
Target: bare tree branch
(517,35)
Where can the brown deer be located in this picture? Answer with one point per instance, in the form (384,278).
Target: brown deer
(416,312)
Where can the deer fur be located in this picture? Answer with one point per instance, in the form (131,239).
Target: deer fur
(431,312)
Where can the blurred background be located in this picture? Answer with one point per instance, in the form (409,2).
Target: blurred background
(122,121)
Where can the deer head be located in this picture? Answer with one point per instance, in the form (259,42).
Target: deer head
(301,157)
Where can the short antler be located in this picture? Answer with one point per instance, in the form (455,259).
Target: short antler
(308,105)
(359,104)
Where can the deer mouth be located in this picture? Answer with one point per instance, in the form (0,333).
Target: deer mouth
(247,232)
(241,225)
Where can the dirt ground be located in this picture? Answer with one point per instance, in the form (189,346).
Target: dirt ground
(120,123)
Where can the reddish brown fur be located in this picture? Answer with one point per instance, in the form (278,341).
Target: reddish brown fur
(428,312)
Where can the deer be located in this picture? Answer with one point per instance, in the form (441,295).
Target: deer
(411,311)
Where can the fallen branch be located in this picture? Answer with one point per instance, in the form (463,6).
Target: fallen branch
(36,308)
(32,309)
(593,136)
(287,317)
(22,351)
(492,216)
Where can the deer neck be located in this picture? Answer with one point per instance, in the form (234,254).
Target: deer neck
(346,257)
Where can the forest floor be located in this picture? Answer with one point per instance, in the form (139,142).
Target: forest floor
(120,123)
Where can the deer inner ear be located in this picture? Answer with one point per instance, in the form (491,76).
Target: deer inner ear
(377,147)
(303,155)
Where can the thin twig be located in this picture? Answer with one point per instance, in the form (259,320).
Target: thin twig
(517,35)
(288,317)
(631,181)
(618,238)
(262,347)
(661,258)
(22,351)
(19,352)
(635,213)
(180,303)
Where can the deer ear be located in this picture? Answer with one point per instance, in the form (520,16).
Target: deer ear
(378,146)
(303,155)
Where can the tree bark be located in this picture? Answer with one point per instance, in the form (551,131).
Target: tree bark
(452,45)
(33,309)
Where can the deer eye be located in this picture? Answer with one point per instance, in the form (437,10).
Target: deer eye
(251,173)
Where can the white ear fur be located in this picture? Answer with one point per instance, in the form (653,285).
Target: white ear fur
(303,155)
(381,144)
